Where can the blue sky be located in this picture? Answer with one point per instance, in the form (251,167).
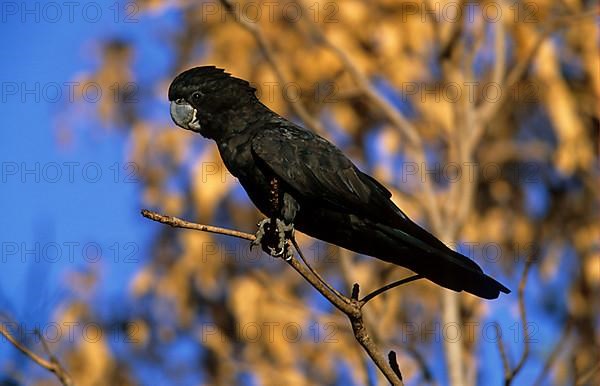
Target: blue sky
(65,205)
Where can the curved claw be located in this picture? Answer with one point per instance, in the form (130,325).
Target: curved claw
(285,252)
(277,253)
(254,243)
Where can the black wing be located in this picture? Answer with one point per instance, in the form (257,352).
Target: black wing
(319,172)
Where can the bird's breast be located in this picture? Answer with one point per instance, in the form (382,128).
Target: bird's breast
(239,161)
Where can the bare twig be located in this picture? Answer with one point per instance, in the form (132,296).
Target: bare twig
(364,85)
(425,370)
(502,350)
(388,287)
(52,365)
(587,376)
(510,374)
(555,353)
(349,306)
(179,223)
(488,109)
(523,312)
(297,247)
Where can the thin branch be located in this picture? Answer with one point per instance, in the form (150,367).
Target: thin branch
(425,370)
(502,351)
(523,312)
(350,307)
(364,84)
(52,365)
(587,376)
(179,223)
(488,109)
(269,55)
(500,54)
(381,290)
(314,272)
(510,374)
(555,353)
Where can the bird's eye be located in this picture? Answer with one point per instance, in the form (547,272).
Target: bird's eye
(196,96)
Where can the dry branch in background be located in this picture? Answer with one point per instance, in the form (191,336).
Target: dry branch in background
(53,365)
(511,373)
(269,54)
(352,306)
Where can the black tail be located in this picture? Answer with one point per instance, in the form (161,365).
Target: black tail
(459,273)
(433,260)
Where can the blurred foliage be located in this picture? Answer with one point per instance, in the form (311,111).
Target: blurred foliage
(536,147)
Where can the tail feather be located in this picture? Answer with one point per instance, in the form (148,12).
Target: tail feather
(444,266)
(472,280)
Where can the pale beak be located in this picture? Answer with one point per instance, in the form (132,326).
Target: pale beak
(184,115)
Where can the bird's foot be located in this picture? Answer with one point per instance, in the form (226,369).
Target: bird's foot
(273,238)
(260,233)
